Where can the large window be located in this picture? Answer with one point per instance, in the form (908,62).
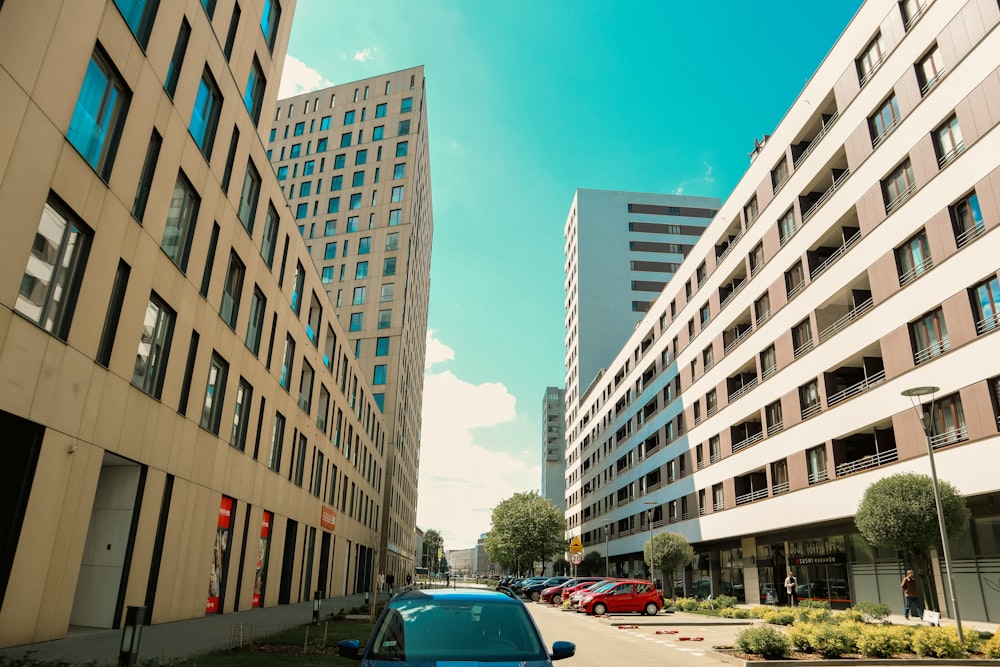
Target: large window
(402,148)
(967,219)
(269,22)
(816,464)
(139,15)
(948,141)
(277,439)
(397,193)
(270,239)
(913,258)
(898,186)
(253,96)
(181,219)
(809,400)
(177,59)
(389,266)
(384,319)
(99,114)
(231,290)
(215,394)
(406,105)
(802,340)
(52,277)
(286,362)
(795,279)
(762,308)
(930,69)
(947,421)
(929,336)
(870,59)
(154,346)
(768,363)
(395,216)
(205,115)
(985,299)
(388,290)
(241,415)
(249,196)
(786,226)
(885,120)
(255,326)
(306,387)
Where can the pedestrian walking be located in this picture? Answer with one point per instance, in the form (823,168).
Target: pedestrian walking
(790,587)
(911,596)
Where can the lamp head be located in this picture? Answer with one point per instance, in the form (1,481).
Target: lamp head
(915,392)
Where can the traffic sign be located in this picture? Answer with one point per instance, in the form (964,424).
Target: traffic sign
(576,558)
(576,546)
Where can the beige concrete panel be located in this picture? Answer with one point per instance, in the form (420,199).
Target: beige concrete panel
(111,413)
(846,87)
(62,387)
(160,425)
(907,92)
(871,209)
(988,192)
(145,538)
(924,161)
(897,352)
(12,112)
(784,349)
(977,406)
(798,471)
(26,33)
(21,363)
(883,277)
(136,408)
(941,236)
(958,316)
(858,146)
(93,397)
(910,439)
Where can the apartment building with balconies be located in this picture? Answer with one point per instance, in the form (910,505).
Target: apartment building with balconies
(761,394)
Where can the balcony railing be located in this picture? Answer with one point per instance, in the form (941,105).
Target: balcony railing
(795,289)
(926,88)
(803,348)
(711,410)
(932,350)
(702,511)
(871,70)
(866,462)
(950,437)
(742,390)
(732,243)
(812,409)
(764,317)
(918,269)
(820,476)
(752,496)
(776,427)
(988,323)
(733,293)
(718,507)
(715,457)
(746,442)
(851,315)
(815,140)
(779,488)
(969,234)
(737,339)
(951,155)
(837,254)
(768,372)
(826,195)
(856,389)
(886,131)
(685,516)
(900,198)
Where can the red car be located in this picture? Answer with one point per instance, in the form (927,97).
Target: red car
(583,590)
(629,595)
(555,593)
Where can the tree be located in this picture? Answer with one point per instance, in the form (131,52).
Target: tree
(900,512)
(433,544)
(667,552)
(561,567)
(592,565)
(525,528)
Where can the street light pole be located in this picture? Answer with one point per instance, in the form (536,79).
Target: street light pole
(650,522)
(927,423)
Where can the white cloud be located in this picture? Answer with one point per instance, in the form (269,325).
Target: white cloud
(704,179)
(437,351)
(364,55)
(297,78)
(461,481)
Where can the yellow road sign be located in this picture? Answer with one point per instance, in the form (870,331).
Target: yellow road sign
(576,546)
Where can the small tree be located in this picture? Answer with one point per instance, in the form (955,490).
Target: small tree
(900,512)
(527,528)
(592,565)
(667,552)
(561,567)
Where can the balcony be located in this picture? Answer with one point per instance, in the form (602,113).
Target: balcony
(950,437)
(834,245)
(812,409)
(969,234)
(987,324)
(729,239)
(855,377)
(916,270)
(746,434)
(844,307)
(900,198)
(815,202)
(738,333)
(814,130)
(750,487)
(932,350)
(819,476)
(779,487)
(732,288)
(865,450)
(740,384)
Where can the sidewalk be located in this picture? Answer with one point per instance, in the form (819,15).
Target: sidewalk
(183,639)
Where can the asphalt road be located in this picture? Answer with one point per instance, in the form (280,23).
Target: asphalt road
(602,643)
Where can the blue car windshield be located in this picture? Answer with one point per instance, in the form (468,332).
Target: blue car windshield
(456,630)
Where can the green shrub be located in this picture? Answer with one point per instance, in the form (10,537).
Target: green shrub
(936,643)
(734,612)
(724,601)
(833,641)
(973,641)
(814,604)
(686,604)
(850,615)
(992,647)
(758,611)
(883,641)
(812,614)
(779,616)
(800,635)
(875,612)
(764,641)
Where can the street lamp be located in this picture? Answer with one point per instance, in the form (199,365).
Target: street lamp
(607,530)
(927,423)
(650,522)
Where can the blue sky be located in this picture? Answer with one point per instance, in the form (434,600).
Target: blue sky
(528,101)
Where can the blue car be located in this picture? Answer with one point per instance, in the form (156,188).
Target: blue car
(427,627)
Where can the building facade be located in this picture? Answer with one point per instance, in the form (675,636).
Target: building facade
(353,162)
(187,426)
(638,240)
(761,394)
(554,446)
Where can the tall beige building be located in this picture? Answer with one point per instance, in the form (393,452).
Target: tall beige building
(186,424)
(856,259)
(353,162)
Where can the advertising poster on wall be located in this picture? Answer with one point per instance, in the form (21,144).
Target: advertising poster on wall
(217,577)
(263,548)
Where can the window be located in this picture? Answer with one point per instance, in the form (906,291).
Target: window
(306,387)
(404,127)
(181,217)
(913,258)
(388,290)
(154,347)
(762,308)
(870,59)
(389,266)
(802,340)
(397,193)
(985,296)
(345,139)
(358,179)
(967,219)
(364,245)
(241,415)
(884,121)
(300,129)
(399,171)
(361,157)
(297,285)
(205,115)
(750,211)
(378,377)
(287,359)
(324,123)
(146,177)
(378,133)
(277,439)
(215,394)
(756,258)
(300,459)
(282,173)
(231,291)
(361,271)
(111,318)
(177,59)
(270,238)
(330,252)
(139,15)
(302,211)
(948,141)
(816,464)
(255,326)
(305,189)
(394,217)
(295,151)
(382,346)
(336,183)
(401,149)
(380,110)
(406,105)
(349,117)
(327,275)
(269,22)
(768,363)
(384,319)
(786,226)
(234,24)
(333,204)
(929,336)
(227,172)
(708,358)
(704,315)
(356,321)
(99,114)
(779,175)
(339,161)
(355,202)
(809,401)
(898,186)
(359,296)
(795,279)
(249,196)
(911,10)
(930,69)
(253,96)
(209,6)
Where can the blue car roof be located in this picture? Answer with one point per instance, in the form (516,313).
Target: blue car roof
(456,595)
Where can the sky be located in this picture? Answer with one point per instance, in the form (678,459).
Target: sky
(526,102)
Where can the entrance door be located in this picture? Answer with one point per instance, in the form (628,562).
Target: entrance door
(288,563)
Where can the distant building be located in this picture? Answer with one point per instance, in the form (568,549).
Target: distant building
(621,250)
(554,447)
(460,561)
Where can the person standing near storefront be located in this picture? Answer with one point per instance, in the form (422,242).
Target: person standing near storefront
(790,584)
(911,597)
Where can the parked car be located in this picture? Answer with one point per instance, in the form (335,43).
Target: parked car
(533,592)
(629,595)
(577,596)
(518,585)
(425,627)
(554,594)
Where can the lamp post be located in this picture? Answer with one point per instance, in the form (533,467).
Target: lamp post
(927,423)
(649,520)
(607,529)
